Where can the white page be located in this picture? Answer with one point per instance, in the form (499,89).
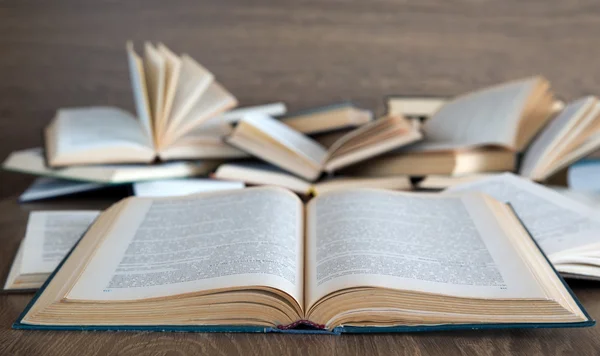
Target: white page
(50,236)
(556,222)
(179,187)
(273,109)
(552,136)
(425,243)
(486,117)
(288,137)
(98,127)
(140,94)
(165,246)
(44,188)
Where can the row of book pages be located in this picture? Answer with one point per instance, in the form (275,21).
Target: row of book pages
(329,240)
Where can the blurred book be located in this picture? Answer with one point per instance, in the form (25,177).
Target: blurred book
(45,188)
(257,173)
(280,145)
(31,161)
(438,182)
(180,187)
(423,107)
(567,230)
(49,236)
(572,135)
(476,132)
(178,103)
(330,118)
(584,175)
(589,198)
(235,115)
(414,106)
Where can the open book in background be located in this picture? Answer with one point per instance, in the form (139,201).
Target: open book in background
(49,236)
(485,127)
(31,161)
(424,107)
(178,103)
(258,173)
(567,230)
(357,260)
(278,144)
(573,134)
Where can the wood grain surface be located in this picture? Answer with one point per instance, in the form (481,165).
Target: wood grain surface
(71,53)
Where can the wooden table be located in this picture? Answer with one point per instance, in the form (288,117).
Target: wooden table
(311,52)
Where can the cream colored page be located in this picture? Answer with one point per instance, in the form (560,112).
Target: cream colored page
(98,127)
(487,117)
(553,136)
(425,243)
(163,247)
(50,235)
(154,64)
(140,94)
(288,137)
(193,81)
(273,109)
(213,102)
(172,72)
(556,222)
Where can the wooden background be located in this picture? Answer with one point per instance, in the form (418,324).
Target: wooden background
(71,53)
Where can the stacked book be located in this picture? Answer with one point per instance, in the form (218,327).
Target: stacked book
(487,252)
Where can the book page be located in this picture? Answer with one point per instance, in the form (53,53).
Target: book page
(155,66)
(79,129)
(172,72)
(273,109)
(193,80)
(213,102)
(50,235)
(556,222)
(180,187)
(223,240)
(414,242)
(547,144)
(140,94)
(288,137)
(486,117)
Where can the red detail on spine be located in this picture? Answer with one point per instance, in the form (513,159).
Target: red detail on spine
(300,322)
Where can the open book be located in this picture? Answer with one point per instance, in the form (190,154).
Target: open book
(31,161)
(256,173)
(178,103)
(573,134)
(567,230)
(257,259)
(49,236)
(504,117)
(288,149)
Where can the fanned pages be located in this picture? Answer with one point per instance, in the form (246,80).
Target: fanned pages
(573,134)
(279,144)
(173,96)
(257,260)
